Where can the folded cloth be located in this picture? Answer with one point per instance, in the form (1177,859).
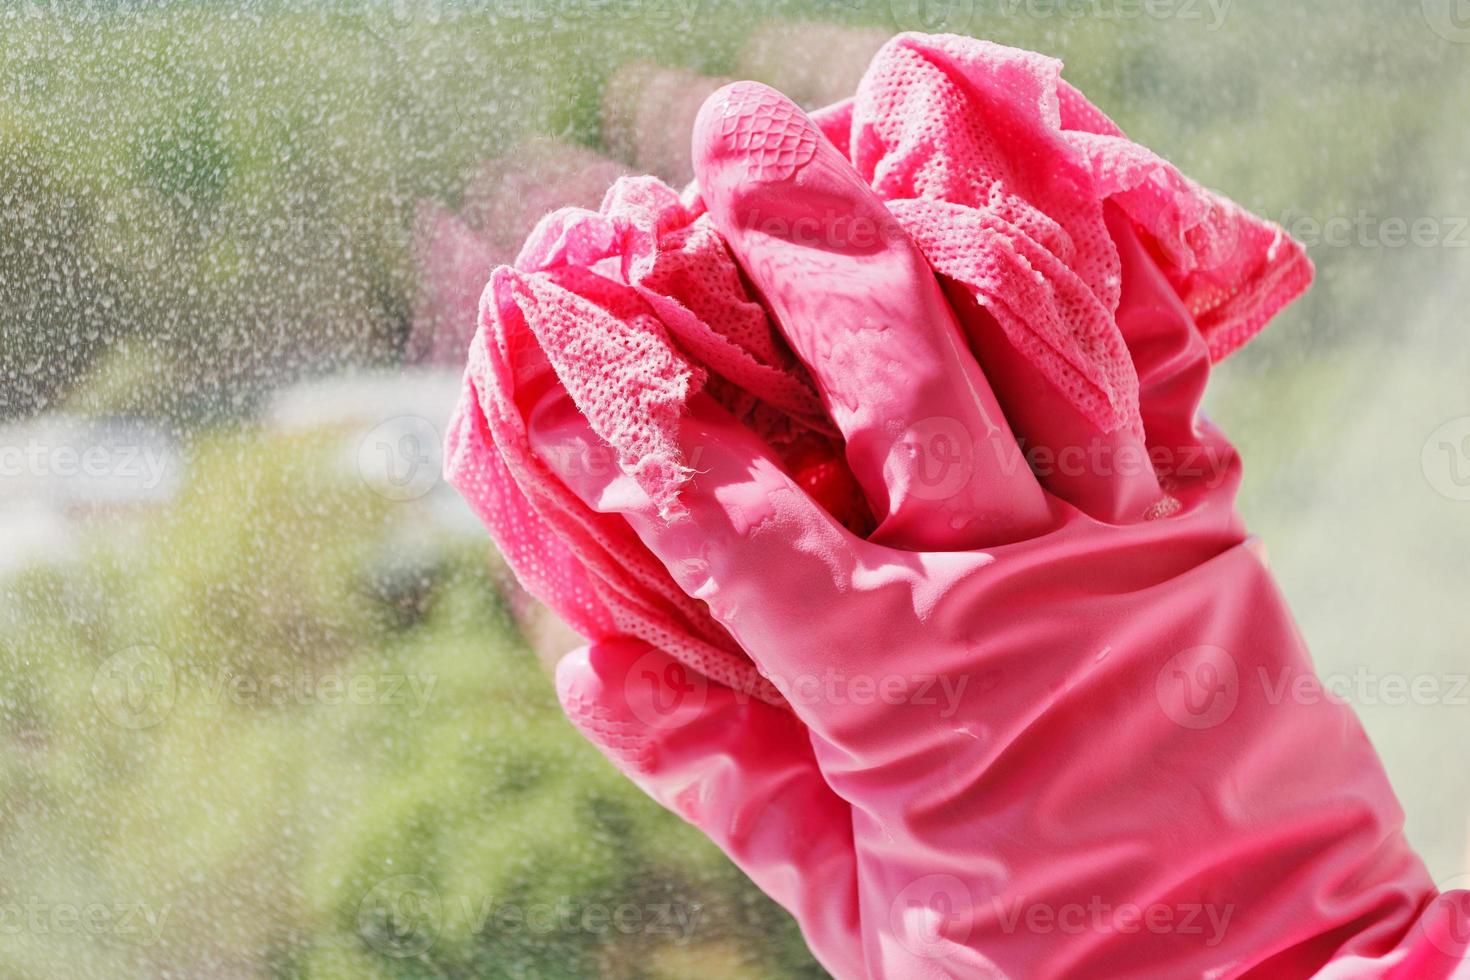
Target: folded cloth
(999,171)
(633,309)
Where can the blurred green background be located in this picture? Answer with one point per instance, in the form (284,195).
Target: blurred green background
(269,705)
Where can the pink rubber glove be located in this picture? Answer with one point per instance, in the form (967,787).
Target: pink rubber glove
(1063,755)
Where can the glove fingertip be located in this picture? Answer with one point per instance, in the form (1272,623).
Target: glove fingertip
(600,713)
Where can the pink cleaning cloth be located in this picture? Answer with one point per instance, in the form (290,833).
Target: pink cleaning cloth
(998,170)
(633,309)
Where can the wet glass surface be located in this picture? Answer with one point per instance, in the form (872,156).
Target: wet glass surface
(271,707)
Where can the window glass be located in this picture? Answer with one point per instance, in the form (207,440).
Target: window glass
(271,706)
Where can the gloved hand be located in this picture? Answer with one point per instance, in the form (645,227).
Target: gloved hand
(1084,750)
(1060,756)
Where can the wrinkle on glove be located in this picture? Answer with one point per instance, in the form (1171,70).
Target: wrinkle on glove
(998,170)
